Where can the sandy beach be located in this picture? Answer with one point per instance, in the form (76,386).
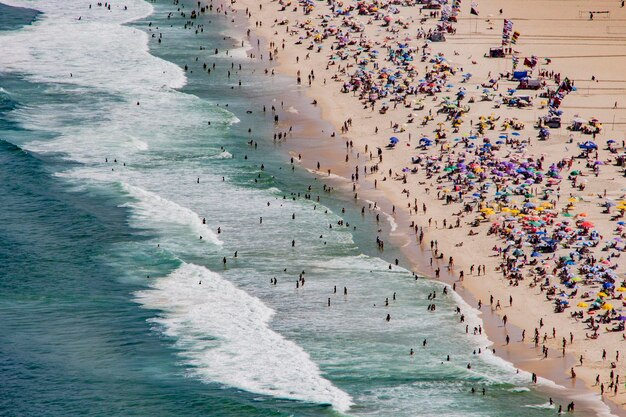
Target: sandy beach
(533,224)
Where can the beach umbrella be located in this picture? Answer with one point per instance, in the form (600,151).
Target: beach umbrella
(393,140)
(607,306)
(582,304)
(515,133)
(601,294)
(586,225)
(621,289)
(588,145)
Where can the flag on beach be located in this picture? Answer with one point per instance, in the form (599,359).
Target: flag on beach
(474,8)
(515,60)
(530,62)
(515,37)
(506,31)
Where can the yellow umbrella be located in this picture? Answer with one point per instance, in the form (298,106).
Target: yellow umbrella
(621,289)
(607,306)
(572,199)
(601,294)
(583,304)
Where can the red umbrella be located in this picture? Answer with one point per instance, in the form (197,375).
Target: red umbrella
(586,225)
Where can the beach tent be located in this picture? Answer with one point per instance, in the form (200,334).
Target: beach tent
(588,145)
(518,75)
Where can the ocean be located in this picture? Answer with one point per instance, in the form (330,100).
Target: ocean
(129,183)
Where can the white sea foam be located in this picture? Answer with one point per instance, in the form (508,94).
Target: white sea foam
(389,217)
(244,352)
(223,155)
(542,406)
(41,50)
(152,208)
(325,175)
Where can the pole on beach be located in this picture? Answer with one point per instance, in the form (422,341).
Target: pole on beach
(613,128)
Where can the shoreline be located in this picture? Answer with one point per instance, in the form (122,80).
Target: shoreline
(524,356)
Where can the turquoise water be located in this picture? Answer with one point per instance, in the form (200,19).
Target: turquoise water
(111,304)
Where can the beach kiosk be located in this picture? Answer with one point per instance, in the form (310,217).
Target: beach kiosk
(529,84)
(496,52)
(553,122)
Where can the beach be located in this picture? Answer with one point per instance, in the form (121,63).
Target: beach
(278,209)
(566,42)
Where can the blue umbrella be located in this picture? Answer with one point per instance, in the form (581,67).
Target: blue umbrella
(588,145)
(393,140)
(515,133)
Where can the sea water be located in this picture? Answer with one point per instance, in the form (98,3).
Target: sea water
(117,169)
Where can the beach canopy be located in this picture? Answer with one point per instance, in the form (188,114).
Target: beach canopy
(588,145)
